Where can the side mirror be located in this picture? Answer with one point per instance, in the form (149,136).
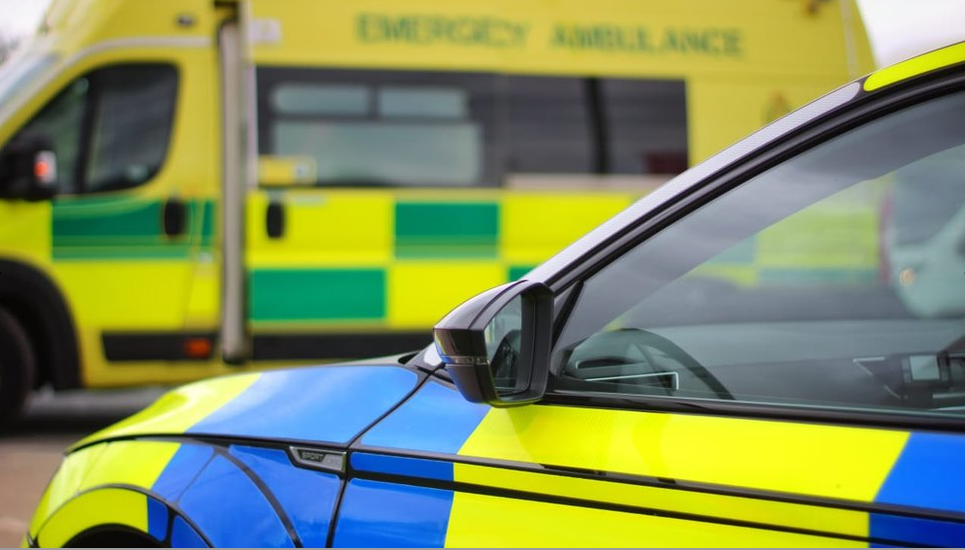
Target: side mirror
(496,346)
(28,168)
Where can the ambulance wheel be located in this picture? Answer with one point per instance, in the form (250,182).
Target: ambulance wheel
(17,367)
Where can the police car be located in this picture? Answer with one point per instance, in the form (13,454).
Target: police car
(756,354)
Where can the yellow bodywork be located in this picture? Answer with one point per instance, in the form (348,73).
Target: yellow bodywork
(791,458)
(91,481)
(915,66)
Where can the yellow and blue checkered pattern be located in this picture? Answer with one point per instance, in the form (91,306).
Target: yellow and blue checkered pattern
(528,476)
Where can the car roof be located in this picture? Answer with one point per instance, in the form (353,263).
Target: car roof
(700,173)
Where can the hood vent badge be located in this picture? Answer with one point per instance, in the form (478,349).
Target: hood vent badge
(318,459)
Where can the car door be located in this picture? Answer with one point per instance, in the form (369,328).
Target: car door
(763,362)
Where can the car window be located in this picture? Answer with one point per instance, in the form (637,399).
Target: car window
(835,279)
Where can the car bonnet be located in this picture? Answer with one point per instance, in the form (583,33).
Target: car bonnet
(326,404)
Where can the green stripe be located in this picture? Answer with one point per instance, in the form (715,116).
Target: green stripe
(445,250)
(92,201)
(298,295)
(135,219)
(436,229)
(122,228)
(207,223)
(117,253)
(516,272)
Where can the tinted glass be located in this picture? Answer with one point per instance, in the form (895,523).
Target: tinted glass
(110,128)
(800,287)
(419,128)
(61,121)
(133,115)
(504,344)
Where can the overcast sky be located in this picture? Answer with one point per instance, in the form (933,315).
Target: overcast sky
(897,28)
(20,17)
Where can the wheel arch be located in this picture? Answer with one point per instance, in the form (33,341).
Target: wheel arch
(34,299)
(113,536)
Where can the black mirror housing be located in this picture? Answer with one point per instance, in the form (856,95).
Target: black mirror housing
(496,345)
(28,168)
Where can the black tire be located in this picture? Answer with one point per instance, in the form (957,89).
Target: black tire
(17,367)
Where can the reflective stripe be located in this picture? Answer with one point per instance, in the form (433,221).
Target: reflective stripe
(376,514)
(230,509)
(157,519)
(136,463)
(181,470)
(915,66)
(178,410)
(64,484)
(184,536)
(926,474)
(308,497)
(327,404)
(489,521)
(669,499)
(805,459)
(88,510)
(920,531)
(453,420)
(439,470)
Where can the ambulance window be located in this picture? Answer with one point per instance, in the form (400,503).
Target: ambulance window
(422,128)
(377,128)
(133,113)
(109,128)
(60,121)
(558,125)
(322,99)
(546,126)
(646,126)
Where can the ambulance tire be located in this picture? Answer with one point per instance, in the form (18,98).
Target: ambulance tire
(17,367)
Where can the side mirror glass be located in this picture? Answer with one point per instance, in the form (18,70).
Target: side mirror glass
(28,168)
(496,345)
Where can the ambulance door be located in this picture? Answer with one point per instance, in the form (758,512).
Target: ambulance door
(132,214)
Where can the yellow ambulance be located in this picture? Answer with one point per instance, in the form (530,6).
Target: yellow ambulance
(192,186)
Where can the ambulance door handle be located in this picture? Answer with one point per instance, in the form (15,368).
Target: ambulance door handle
(175,217)
(275,220)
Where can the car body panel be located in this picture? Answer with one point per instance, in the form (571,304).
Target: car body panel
(308,497)
(158,464)
(321,404)
(128,509)
(229,506)
(800,479)
(439,471)
(382,514)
